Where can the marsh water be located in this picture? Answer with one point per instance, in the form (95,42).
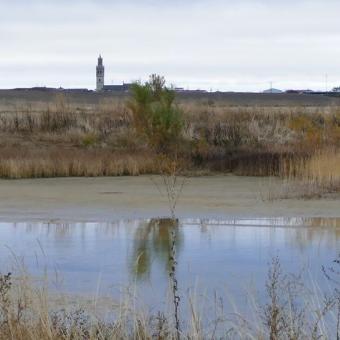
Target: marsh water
(226,256)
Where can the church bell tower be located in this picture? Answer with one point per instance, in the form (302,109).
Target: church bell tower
(100,74)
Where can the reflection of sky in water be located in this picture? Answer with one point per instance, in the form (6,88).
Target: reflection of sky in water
(228,255)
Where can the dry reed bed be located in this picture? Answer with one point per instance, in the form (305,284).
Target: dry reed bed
(74,163)
(312,177)
(291,142)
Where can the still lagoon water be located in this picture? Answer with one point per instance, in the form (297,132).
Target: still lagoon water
(225,256)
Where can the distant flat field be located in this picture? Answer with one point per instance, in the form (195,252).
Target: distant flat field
(112,198)
(11,100)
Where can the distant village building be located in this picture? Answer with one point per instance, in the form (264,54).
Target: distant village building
(121,88)
(336,89)
(300,91)
(272,90)
(100,82)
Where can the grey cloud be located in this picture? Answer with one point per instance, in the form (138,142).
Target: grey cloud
(234,45)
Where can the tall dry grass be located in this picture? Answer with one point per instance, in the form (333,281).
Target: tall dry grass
(323,168)
(64,139)
(309,177)
(292,310)
(74,163)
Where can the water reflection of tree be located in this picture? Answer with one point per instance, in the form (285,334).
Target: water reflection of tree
(152,240)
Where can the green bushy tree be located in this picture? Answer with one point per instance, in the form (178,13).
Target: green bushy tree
(156,117)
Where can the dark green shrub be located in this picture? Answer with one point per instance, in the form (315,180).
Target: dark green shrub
(155,115)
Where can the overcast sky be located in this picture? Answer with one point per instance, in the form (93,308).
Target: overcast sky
(227,45)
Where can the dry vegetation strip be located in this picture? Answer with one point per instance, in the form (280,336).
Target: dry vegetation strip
(62,140)
(291,310)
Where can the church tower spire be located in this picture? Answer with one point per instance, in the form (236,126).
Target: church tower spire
(100,74)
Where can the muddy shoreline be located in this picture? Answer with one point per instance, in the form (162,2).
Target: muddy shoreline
(110,199)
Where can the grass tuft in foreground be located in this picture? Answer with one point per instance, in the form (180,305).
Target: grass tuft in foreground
(292,310)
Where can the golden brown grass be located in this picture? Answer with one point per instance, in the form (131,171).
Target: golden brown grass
(323,168)
(310,177)
(74,163)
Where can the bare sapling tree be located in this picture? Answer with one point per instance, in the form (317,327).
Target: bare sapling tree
(172,183)
(159,122)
